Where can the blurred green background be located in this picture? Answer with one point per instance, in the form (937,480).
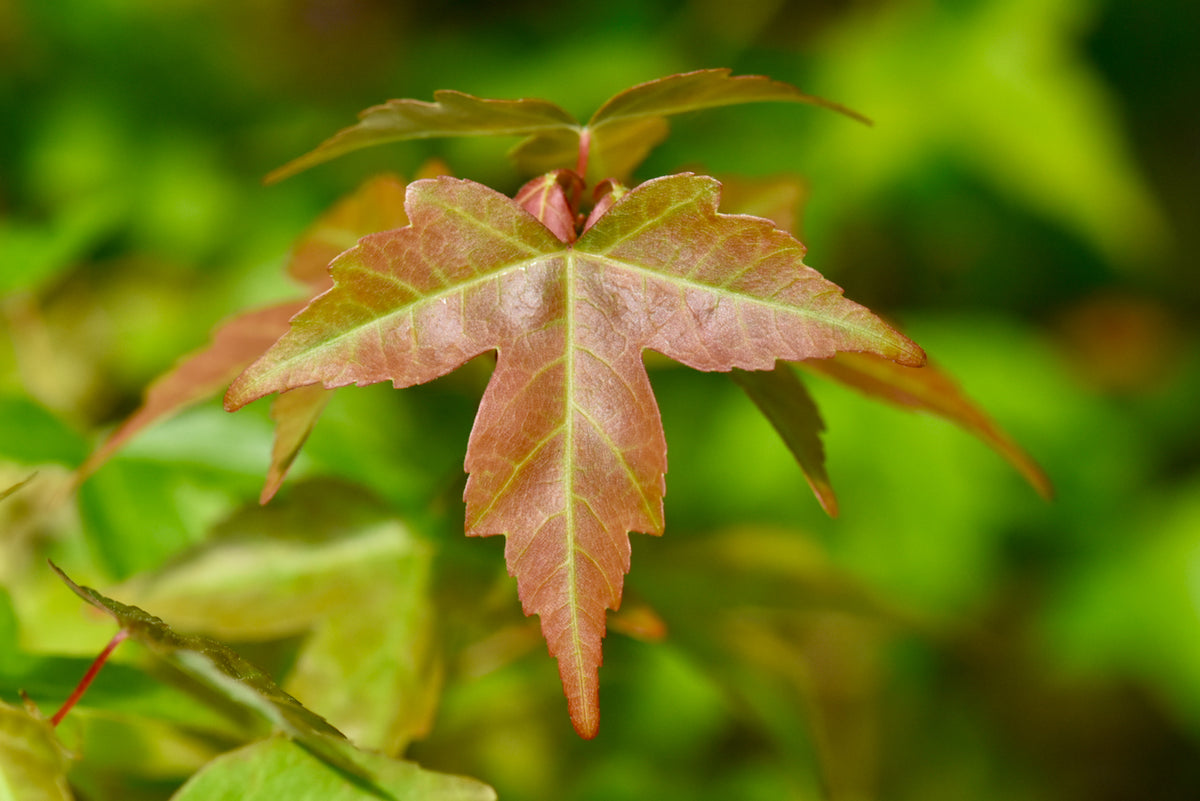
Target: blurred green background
(1025,206)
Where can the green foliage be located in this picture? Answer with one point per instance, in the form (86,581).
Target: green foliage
(1021,158)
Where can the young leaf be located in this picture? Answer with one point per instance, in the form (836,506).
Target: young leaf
(931,390)
(223,671)
(276,769)
(567,454)
(613,143)
(451,114)
(627,127)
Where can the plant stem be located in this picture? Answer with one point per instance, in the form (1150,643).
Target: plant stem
(88,677)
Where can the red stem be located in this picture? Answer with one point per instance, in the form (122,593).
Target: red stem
(585,145)
(88,677)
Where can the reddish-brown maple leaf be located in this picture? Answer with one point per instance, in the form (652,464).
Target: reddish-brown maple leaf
(567,454)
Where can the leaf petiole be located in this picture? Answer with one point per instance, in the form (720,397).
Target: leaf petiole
(89,677)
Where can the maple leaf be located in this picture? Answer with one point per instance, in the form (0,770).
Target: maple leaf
(611,144)
(567,455)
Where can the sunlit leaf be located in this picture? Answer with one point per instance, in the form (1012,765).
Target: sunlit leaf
(929,390)
(567,454)
(325,563)
(276,769)
(33,764)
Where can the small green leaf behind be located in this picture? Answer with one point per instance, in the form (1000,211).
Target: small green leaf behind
(277,770)
(222,671)
(33,763)
(355,584)
(782,398)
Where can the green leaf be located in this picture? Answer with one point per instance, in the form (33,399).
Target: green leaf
(783,400)
(33,764)
(7,491)
(222,671)
(357,583)
(276,769)
(567,453)
(451,114)
(29,434)
(616,140)
(626,128)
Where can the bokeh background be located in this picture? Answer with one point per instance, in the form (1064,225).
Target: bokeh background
(1025,206)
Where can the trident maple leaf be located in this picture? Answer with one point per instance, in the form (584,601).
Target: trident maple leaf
(567,455)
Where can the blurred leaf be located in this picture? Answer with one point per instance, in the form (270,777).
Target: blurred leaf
(138,512)
(236,343)
(760,567)
(29,434)
(1133,611)
(357,581)
(223,671)
(33,764)
(927,389)
(376,205)
(295,413)
(1002,87)
(276,769)
(261,582)
(373,667)
(782,398)
(32,255)
(15,487)
(777,198)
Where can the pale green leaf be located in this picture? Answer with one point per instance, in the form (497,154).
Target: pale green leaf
(278,770)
